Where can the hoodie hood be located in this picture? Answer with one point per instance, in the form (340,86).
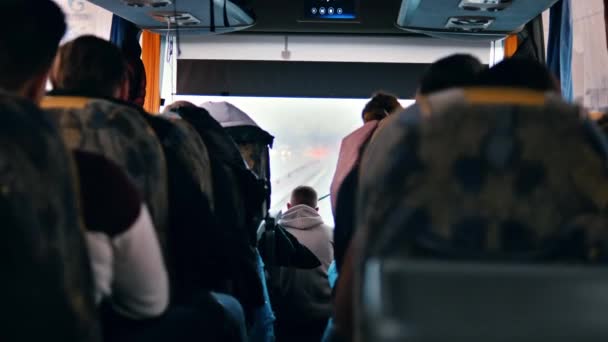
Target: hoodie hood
(301,217)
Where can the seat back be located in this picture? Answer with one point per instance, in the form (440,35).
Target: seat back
(46,287)
(407,300)
(121,134)
(238,197)
(492,175)
(193,239)
(499,173)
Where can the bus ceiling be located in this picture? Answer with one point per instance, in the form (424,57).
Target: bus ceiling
(461,19)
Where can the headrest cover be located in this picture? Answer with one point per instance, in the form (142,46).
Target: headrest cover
(472,180)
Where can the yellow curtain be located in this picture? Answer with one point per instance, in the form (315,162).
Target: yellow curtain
(151,57)
(511,45)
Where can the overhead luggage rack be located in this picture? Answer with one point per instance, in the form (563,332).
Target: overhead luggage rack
(485,5)
(189,16)
(147,3)
(469,19)
(469,24)
(181,19)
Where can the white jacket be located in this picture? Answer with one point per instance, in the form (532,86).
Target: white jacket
(129,269)
(307,226)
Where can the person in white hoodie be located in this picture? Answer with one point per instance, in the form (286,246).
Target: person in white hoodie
(304,302)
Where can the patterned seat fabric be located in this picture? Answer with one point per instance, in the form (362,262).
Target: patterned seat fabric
(46,283)
(238,199)
(487,181)
(121,134)
(192,237)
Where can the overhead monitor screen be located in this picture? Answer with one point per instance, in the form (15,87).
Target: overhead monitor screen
(330,10)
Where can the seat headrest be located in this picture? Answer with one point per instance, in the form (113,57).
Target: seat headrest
(71,102)
(486,96)
(488,171)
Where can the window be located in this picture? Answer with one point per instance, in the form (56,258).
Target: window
(84,17)
(307,134)
(589,54)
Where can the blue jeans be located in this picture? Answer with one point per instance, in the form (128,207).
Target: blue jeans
(332,275)
(263,326)
(234,310)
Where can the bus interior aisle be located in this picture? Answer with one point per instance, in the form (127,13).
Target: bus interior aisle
(304,170)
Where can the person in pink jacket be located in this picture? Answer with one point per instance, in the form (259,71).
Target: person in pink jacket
(378,108)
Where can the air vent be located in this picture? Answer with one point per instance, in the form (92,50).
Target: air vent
(469,24)
(147,3)
(485,5)
(176,19)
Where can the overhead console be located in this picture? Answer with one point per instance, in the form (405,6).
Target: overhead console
(469,19)
(191,16)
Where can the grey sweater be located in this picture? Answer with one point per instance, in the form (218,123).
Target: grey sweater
(305,294)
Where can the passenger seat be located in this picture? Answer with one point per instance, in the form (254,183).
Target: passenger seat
(46,282)
(120,133)
(238,199)
(193,238)
(487,175)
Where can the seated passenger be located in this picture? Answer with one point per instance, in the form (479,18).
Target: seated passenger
(87,71)
(88,78)
(46,279)
(504,179)
(237,200)
(459,70)
(520,73)
(127,261)
(304,303)
(137,82)
(128,265)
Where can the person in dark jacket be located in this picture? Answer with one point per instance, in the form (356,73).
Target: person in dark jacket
(304,302)
(520,73)
(238,201)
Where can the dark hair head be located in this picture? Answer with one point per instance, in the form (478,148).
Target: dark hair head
(520,73)
(89,66)
(31,32)
(176,106)
(137,81)
(458,70)
(304,195)
(380,106)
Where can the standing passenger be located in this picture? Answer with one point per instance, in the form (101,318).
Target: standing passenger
(343,183)
(304,304)
(454,71)
(520,73)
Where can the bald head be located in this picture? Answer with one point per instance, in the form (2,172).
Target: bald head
(304,195)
